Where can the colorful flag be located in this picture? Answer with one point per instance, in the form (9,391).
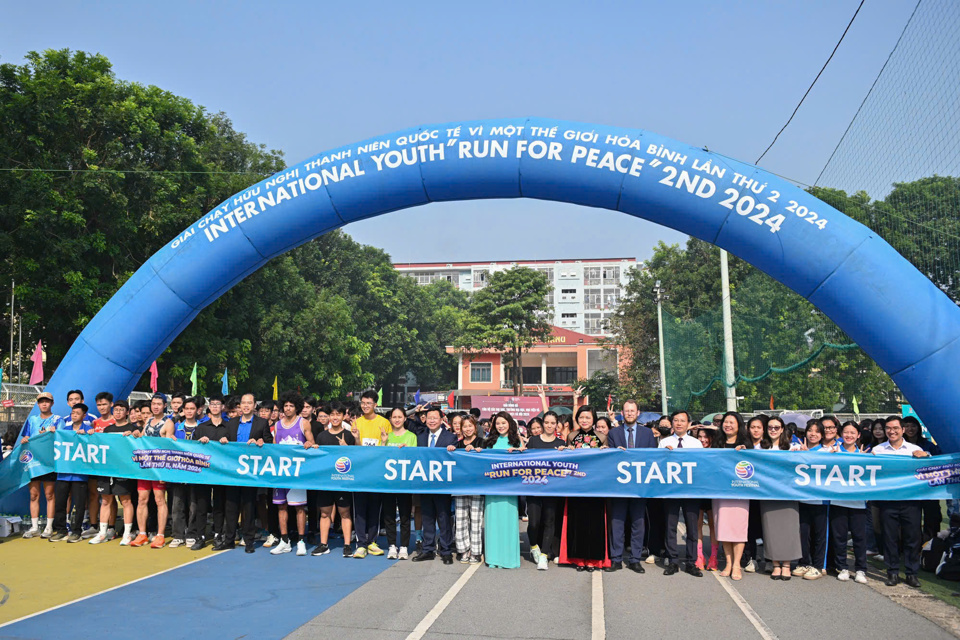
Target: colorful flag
(771,402)
(609,402)
(276,393)
(380,397)
(225,387)
(154,376)
(856,407)
(416,397)
(450,400)
(193,380)
(1,377)
(36,376)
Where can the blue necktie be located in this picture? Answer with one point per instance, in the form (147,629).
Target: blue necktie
(433,440)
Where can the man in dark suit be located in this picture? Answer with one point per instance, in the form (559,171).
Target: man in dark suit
(622,510)
(242,501)
(435,509)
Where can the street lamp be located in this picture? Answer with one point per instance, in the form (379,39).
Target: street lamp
(658,292)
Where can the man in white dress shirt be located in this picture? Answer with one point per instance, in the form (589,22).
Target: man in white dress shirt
(689,506)
(900,517)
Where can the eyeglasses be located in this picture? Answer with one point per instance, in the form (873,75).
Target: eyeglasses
(778,428)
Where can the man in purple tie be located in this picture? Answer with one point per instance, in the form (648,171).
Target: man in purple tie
(680,421)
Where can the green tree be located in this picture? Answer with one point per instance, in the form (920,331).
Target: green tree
(509,316)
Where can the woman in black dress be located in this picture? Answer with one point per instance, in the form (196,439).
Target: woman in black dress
(583,542)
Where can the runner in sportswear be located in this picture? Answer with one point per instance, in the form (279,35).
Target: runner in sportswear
(71,486)
(372,430)
(157,425)
(104,401)
(181,495)
(336,435)
(120,487)
(34,426)
(394,502)
(292,429)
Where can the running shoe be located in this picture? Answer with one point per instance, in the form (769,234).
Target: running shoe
(242,542)
(111,533)
(157,541)
(198,544)
(271,540)
(126,540)
(374,550)
(97,539)
(190,542)
(535,553)
(320,550)
(282,547)
(392,552)
(542,563)
(74,537)
(464,558)
(301,548)
(861,578)
(475,559)
(90,532)
(348,550)
(750,567)
(57,537)
(139,541)
(176,542)
(402,554)
(843,576)
(813,574)
(32,532)
(360,553)
(46,533)
(651,559)
(801,571)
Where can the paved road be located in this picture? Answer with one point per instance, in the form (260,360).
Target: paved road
(562,603)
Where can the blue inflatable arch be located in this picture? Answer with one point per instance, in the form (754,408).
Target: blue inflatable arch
(907,325)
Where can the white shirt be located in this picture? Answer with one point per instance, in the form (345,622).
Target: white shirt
(689,442)
(906,449)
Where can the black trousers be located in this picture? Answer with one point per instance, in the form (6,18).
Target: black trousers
(240,502)
(691,516)
(754,531)
(219,510)
(199,507)
(179,500)
(844,520)
(813,535)
(542,525)
(366,517)
(392,503)
(932,518)
(437,529)
(76,491)
(656,526)
(901,523)
(622,511)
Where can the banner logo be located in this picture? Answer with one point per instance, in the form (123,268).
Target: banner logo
(744,470)
(26,457)
(342,465)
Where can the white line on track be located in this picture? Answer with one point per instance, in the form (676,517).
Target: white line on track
(431,617)
(765,631)
(119,586)
(598,625)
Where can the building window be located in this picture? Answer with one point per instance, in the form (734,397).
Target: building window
(611,298)
(423,277)
(531,375)
(561,375)
(568,315)
(592,324)
(601,360)
(480,278)
(550,297)
(481,372)
(611,275)
(568,291)
(547,271)
(591,298)
(591,276)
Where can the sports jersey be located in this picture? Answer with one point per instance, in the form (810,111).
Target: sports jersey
(183,431)
(102,423)
(152,429)
(72,477)
(289,435)
(407,439)
(35,425)
(369,430)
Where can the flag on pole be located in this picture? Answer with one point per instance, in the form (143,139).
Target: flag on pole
(450,400)
(193,380)
(609,402)
(276,393)
(154,376)
(380,397)
(416,397)
(225,387)
(1,377)
(771,402)
(856,407)
(36,376)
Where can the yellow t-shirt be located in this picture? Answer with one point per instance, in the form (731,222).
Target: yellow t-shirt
(369,430)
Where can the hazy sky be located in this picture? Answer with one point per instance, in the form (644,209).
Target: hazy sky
(303,77)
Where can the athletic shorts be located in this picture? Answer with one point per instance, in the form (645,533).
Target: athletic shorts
(115,486)
(151,485)
(330,498)
(49,477)
(292,497)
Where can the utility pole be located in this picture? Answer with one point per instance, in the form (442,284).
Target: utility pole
(20,348)
(729,373)
(658,291)
(13,285)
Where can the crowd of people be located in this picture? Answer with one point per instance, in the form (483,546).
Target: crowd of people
(588,533)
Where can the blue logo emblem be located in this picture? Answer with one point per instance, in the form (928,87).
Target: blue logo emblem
(342,465)
(26,457)
(744,470)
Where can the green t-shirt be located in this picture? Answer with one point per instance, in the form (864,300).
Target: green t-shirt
(408,439)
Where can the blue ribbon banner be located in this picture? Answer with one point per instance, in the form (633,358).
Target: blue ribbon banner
(726,473)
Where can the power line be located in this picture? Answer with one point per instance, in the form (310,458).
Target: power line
(235,173)
(849,24)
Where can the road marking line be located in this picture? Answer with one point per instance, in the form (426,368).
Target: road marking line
(762,628)
(431,617)
(599,625)
(119,586)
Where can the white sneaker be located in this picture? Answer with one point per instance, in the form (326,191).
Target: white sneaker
(878,557)
(535,553)
(282,547)
(801,571)
(843,576)
(271,540)
(301,548)
(813,574)
(111,534)
(242,542)
(97,539)
(751,567)
(90,533)
(46,533)
(542,563)
(651,559)
(32,532)
(392,552)
(126,540)
(191,541)
(861,578)
(176,542)
(402,555)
